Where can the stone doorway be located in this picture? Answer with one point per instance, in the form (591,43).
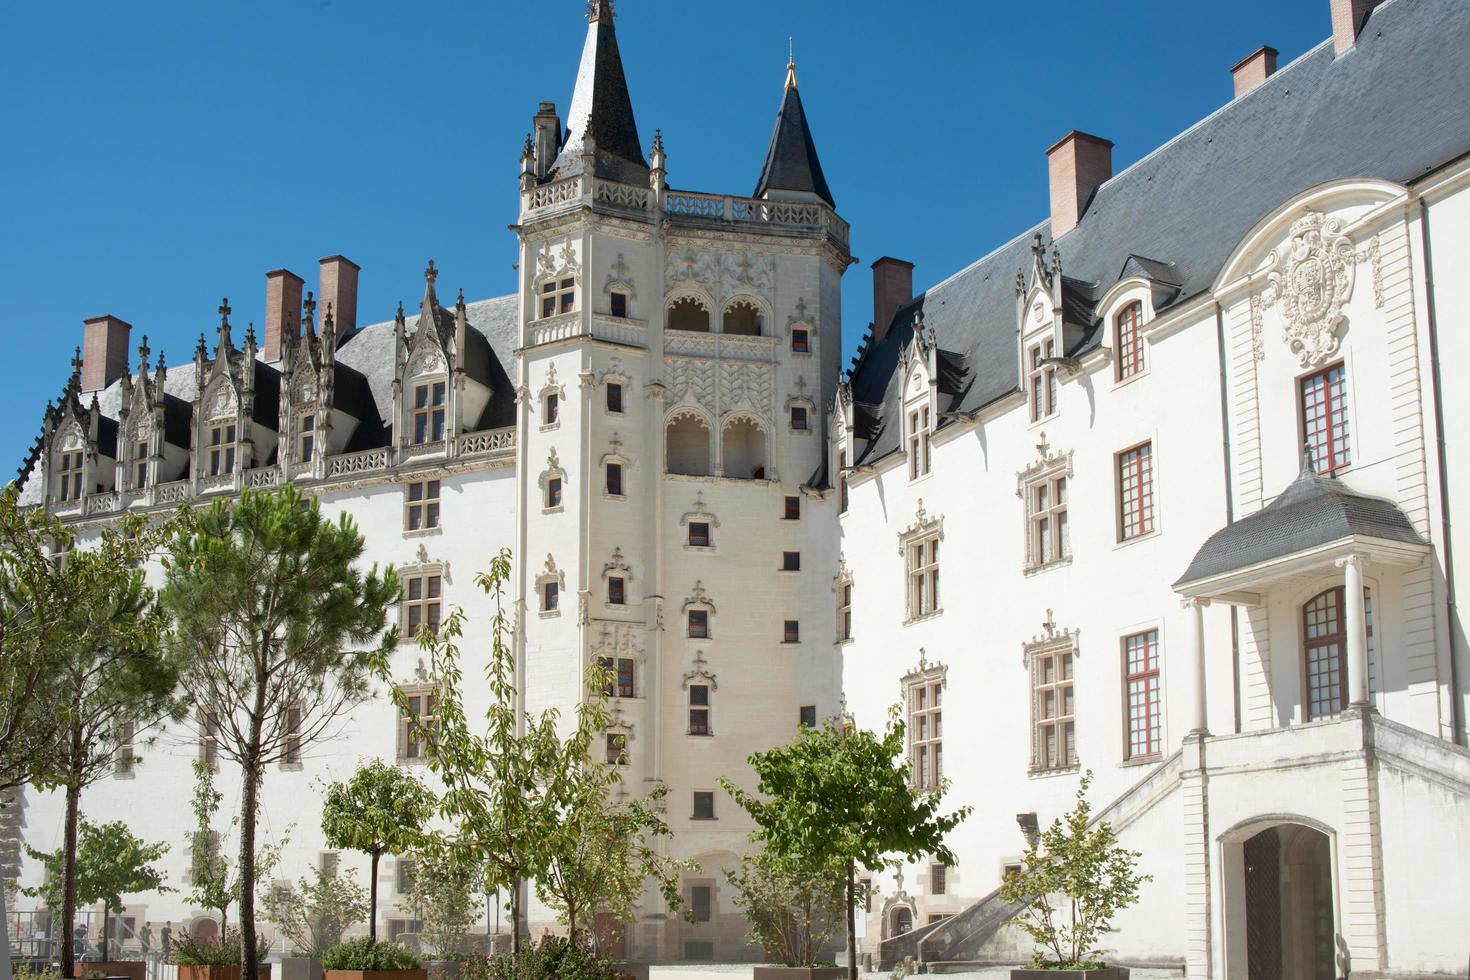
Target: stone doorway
(1282,919)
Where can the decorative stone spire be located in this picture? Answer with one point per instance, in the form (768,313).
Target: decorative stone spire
(143,353)
(601,113)
(308,315)
(224,344)
(792,169)
(600,11)
(431,299)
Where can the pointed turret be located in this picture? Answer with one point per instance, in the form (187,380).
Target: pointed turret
(792,169)
(601,108)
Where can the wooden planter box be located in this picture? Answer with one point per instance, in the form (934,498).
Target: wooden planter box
(421,974)
(800,973)
(1103,973)
(187,972)
(132,969)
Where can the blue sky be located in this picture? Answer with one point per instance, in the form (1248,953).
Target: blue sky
(159,156)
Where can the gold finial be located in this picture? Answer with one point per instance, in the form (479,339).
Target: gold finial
(790,62)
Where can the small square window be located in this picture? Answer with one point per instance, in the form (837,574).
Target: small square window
(798,418)
(793,509)
(550,597)
(618,303)
(699,624)
(801,342)
(704,805)
(699,695)
(808,717)
(790,561)
(553,492)
(791,632)
(615,594)
(615,479)
(617,749)
(698,534)
(421,509)
(614,397)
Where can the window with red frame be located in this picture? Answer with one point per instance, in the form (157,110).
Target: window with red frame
(1324,631)
(1136,492)
(1324,418)
(1141,668)
(1130,344)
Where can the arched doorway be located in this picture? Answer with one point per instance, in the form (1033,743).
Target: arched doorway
(1283,922)
(901,922)
(205,930)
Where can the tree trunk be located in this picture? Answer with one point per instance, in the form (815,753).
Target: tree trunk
(249,962)
(373,897)
(852,973)
(4,935)
(515,917)
(69,874)
(106,932)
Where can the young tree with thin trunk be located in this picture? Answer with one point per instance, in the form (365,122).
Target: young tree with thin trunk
(274,628)
(381,810)
(842,794)
(215,883)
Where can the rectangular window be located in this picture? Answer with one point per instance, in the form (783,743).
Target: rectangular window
(428,412)
(1141,680)
(617,749)
(698,534)
(614,397)
(140,475)
(209,729)
(551,413)
(699,624)
(615,479)
(801,341)
(700,904)
(926,731)
(415,724)
(1056,737)
(1130,341)
(938,874)
(123,756)
(919,442)
(292,754)
(618,303)
(620,683)
(1324,418)
(704,805)
(616,596)
(699,709)
(558,296)
(550,596)
(421,508)
(844,612)
(798,418)
(307,438)
(1041,385)
(553,492)
(790,561)
(405,875)
(842,482)
(923,561)
(1048,535)
(793,509)
(328,861)
(791,631)
(221,449)
(70,475)
(1135,492)
(421,603)
(807,716)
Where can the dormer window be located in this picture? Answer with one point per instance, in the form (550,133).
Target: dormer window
(1129,340)
(919,452)
(801,341)
(140,466)
(1041,380)
(221,448)
(70,475)
(306,438)
(558,296)
(618,304)
(428,412)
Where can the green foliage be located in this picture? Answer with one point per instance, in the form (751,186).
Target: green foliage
(110,863)
(1075,879)
(315,913)
(24,971)
(792,912)
(445,898)
(215,885)
(369,954)
(271,618)
(554,958)
(223,951)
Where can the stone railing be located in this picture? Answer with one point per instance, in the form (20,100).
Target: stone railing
(620,330)
(256,479)
(216,481)
(170,493)
(367,461)
(104,503)
(492,441)
(562,326)
(622,195)
(552,194)
(755,211)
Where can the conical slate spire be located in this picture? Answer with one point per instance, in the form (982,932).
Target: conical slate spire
(601,107)
(791,166)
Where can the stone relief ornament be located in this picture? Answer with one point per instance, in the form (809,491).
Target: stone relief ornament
(1311,280)
(221,401)
(722,274)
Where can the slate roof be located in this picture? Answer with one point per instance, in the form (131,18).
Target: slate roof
(1397,106)
(791,158)
(1313,510)
(602,107)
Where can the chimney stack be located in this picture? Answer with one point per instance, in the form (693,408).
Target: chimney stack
(548,137)
(104,351)
(1078,164)
(893,286)
(338,289)
(1347,20)
(1254,69)
(282,311)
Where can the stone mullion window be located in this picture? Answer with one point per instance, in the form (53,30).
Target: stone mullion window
(1325,418)
(70,470)
(1143,693)
(1043,488)
(222,447)
(421,505)
(919,448)
(923,695)
(1041,379)
(429,398)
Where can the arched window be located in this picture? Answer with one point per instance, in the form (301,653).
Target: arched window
(744,449)
(742,318)
(1130,343)
(687,446)
(1324,644)
(688,314)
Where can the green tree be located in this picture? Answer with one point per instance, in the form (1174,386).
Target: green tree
(792,912)
(842,794)
(1074,878)
(116,682)
(215,884)
(315,913)
(108,863)
(445,898)
(270,620)
(380,810)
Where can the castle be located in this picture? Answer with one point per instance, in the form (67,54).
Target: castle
(1184,452)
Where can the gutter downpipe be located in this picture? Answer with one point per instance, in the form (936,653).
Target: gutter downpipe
(1229,506)
(1457,721)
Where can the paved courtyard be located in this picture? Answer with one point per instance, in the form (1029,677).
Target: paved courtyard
(718,971)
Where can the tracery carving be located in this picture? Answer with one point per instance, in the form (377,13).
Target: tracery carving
(1311,279)
(698,597)
(701,672)
(692,380)
(721,274)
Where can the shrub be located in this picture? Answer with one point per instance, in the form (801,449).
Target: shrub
(315,913)
(369,954)
(792,911)
(188,951)
(554,958)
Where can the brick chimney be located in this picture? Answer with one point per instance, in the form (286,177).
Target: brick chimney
(338,287)
(893,286)
(1078,165)
(282,311)
(104,351)
(1347,20)
(1254,69)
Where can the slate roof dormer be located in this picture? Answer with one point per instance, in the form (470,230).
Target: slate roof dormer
(602,111)
(791,166)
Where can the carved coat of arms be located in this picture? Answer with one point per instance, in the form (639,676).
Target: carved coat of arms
(1311,280)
